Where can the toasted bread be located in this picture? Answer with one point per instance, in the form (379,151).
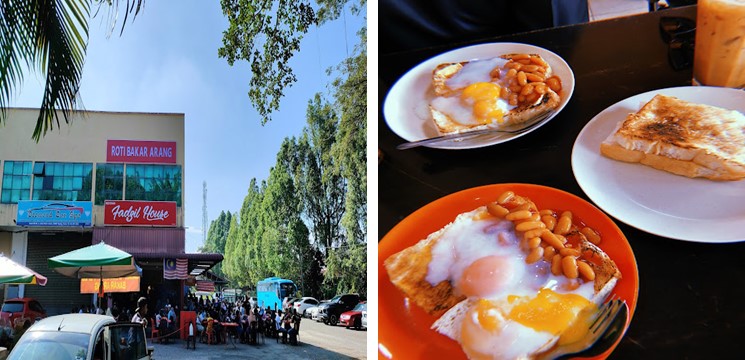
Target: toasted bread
(684,138)
(408,271)
(491,70)
(408,268)
(412,270)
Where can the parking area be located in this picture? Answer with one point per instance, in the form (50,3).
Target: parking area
(316,341)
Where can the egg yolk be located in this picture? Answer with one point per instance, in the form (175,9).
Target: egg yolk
(580,327)
(482,319)
(485,276)
(483,97)
(549,311)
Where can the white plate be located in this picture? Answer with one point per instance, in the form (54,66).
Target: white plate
(406,106)
(653,200)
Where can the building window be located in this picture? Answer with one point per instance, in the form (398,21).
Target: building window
(16,181)
(154,182)
(63,181)
(109,182)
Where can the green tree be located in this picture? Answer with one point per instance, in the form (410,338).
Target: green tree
(346,269)
(53,36)
(217,237)
(233,263)
(252,229)
(350,147)
(267,35)
(285,236)
(323,188)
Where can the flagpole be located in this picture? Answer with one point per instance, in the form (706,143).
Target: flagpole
(100,286)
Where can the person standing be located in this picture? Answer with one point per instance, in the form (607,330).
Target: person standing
(140,315)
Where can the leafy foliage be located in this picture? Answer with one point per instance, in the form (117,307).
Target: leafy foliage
(217,237)
(305,186)
(351,139)
(307,221)
(52,35)
(267,35)
(323,189)
(346,268)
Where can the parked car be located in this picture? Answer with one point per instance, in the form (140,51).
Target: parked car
(303,304)
(329,312)
(287,302)
(21,311)
(353,318)
(82,336)
(312,311)
(364,317)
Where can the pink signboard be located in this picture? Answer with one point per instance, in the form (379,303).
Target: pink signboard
(151,213)
(138,151)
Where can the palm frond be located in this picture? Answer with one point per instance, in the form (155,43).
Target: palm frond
(53,35)
(14,51)
(61,53)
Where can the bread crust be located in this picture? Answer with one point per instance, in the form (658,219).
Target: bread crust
(447,125)
(408,268)
(408,271)
(682,138)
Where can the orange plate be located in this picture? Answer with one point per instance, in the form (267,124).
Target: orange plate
(404,329)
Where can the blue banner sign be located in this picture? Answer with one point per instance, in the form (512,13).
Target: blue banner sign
(54,213)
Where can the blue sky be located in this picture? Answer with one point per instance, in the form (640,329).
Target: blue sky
(166,61)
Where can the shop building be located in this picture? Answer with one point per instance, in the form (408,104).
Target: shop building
(115,177)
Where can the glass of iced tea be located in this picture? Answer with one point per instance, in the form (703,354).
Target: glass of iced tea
(719,55)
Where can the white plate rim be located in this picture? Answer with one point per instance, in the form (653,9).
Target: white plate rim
(657,212)
(421,127)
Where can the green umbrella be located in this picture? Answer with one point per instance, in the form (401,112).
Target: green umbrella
(12,272)
(95,261)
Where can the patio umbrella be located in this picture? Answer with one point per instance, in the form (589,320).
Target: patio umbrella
(95,261)
(12,272)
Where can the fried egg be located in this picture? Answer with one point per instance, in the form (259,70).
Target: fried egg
(513,309)
(476,99)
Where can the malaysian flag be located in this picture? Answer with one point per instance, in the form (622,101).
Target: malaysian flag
(175,269)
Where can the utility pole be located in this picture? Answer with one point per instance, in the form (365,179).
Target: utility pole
(204,213)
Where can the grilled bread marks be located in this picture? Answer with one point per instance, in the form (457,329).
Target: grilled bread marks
(684,138)
(491,93)
(504,302)
(408,271)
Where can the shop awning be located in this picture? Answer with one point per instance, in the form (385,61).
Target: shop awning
(210,276)
(199,263)
(140,240)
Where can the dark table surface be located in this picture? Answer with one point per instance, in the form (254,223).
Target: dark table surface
(691,301)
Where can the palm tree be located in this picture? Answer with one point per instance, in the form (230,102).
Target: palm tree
(53,35)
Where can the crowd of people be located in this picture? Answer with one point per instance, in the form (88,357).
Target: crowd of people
(251,319)
(213,313)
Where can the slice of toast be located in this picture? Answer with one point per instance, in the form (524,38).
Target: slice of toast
(412,269)
(489,70)
(408,268)
(684,138)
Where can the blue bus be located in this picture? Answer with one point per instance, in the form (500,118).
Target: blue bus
(271,291)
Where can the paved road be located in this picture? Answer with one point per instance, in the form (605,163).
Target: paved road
(316,341)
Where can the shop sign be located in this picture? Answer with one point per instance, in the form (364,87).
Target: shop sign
(150,213)
(54,213)
(110,285)
(139,151)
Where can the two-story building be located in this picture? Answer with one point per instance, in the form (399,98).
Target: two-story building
(115,177)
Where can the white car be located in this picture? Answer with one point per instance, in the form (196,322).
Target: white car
(364,318)
(303,304)
(84,337)
(313,311)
